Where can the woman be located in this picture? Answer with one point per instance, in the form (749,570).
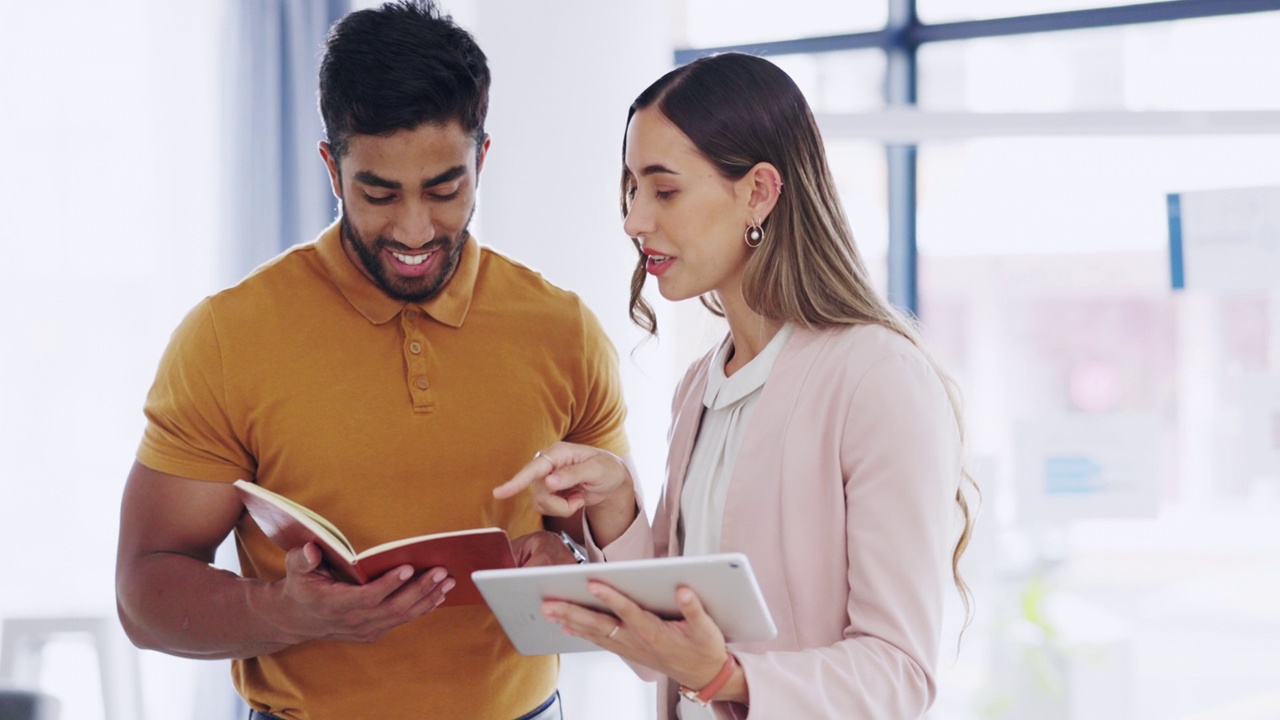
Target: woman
(819,438)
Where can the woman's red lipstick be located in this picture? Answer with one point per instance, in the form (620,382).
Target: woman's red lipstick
(657,263)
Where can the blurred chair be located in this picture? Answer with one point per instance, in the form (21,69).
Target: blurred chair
(27,705)
(22,642)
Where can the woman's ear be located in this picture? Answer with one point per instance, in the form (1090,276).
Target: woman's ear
(763,185)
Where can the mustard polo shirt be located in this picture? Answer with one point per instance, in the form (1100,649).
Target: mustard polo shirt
(390,420)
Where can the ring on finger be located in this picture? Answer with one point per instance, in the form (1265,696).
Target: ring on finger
(614,631)
(543,455)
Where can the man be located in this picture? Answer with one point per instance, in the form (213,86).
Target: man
(387,376)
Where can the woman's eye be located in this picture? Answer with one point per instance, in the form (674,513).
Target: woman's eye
(631,193)
(664,194)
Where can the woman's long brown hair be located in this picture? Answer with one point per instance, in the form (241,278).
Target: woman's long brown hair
(740,110)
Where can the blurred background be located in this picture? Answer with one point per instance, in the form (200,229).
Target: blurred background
(1009,168)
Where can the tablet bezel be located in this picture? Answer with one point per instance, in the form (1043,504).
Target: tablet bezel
(724,582)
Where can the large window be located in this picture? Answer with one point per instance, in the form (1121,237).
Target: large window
(937,11)
(850,81)
(1039,165)
(1074,195)
(1218,63)
(708,23)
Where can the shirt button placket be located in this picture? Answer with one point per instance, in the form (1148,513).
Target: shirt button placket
(416,362)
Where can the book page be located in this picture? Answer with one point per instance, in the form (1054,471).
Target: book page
(279,517)
(318,518)
(421,539)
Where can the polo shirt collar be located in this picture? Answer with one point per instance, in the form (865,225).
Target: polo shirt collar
(449,306)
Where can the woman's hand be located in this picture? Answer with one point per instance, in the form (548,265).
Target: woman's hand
(689,651)
(568,477)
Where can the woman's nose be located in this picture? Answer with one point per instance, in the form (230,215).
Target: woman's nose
(638,222)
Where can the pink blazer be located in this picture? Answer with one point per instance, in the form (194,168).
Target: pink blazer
(843,498)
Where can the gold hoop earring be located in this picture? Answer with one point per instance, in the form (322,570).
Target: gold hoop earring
(754,234)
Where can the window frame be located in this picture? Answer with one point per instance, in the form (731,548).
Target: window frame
(901,39)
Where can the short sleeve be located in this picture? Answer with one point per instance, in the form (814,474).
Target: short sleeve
(599,412)
(189,430)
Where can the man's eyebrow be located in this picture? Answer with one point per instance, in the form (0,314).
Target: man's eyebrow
(369,178)
(449,175)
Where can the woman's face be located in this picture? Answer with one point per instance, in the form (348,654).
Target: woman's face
(689,219)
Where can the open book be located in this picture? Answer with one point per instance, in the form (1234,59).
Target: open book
(290,525)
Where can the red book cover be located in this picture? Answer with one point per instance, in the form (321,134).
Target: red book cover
(289,525)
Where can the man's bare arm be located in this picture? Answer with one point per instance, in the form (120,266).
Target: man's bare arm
(171,599)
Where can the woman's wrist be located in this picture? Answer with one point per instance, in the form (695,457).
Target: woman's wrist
(735,690)
(727,683)
(611,517)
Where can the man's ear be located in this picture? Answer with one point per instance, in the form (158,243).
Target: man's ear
(763,185)
(481,153)
(331,163)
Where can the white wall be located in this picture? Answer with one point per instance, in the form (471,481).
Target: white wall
(564,74)
(110,204)
(110,237)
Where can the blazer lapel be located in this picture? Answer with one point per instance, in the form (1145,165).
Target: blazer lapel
(684,431)
(755,483)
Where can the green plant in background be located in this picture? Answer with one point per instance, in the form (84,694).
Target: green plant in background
(1043,658)
(1024,623)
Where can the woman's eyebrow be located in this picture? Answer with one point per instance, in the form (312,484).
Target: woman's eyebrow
(657,170)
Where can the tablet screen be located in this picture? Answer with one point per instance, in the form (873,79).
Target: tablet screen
(724,583)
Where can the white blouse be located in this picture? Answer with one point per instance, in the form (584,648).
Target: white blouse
(728,404)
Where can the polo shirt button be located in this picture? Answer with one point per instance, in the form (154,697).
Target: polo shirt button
(415,347)
(421,383)
(411,314)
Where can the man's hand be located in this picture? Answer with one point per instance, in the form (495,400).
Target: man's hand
(541,548)
(308,604)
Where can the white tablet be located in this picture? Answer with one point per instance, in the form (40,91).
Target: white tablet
(724,583)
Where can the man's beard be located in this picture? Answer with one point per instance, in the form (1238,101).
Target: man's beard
(407,289)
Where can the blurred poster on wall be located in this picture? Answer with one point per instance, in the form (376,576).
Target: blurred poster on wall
(1260,424)
(1225,241)
(1074,467)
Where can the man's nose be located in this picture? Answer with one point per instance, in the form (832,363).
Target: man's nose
(415,227)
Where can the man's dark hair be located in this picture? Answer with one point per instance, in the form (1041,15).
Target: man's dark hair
(396,67)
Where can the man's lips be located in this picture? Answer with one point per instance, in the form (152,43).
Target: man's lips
(414,264)
(411,259)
